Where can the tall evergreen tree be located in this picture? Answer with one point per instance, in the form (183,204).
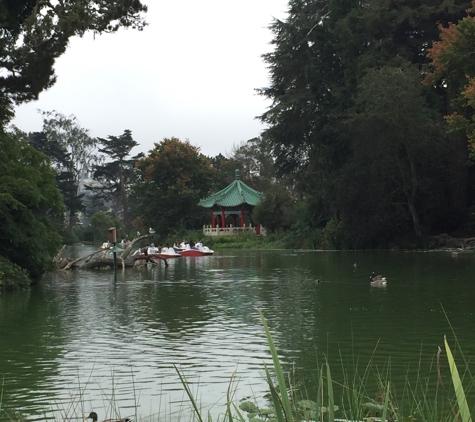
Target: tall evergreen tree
(115,177)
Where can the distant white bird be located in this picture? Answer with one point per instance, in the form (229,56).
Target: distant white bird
(151,231)
(138,233)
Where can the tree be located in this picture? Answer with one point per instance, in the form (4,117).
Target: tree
(395,178)
(74,154)
(29,204)
(224,171)
(322,53)
(101,222)
(172,179)
(35,33)
(255,161)
(60,159)
(115,177)
(453,67)
(275,210)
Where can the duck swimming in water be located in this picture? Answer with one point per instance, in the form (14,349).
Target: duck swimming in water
(93,416)
(378,280)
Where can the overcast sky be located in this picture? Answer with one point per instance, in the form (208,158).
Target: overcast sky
(192,74)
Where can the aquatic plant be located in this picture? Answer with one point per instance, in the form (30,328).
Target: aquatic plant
(287,404)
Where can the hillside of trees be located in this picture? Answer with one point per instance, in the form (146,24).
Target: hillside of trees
(369,142)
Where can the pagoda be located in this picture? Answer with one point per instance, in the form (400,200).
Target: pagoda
(231,208)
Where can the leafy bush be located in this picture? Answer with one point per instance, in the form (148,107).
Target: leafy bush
(85,234)
(12,276)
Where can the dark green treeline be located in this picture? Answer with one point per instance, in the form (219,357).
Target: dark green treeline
(351,122)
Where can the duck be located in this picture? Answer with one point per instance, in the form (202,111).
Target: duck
(378,280)
(94,417)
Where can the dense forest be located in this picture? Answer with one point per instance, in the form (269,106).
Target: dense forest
(369,142)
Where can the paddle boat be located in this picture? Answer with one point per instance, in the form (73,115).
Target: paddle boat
(202,251)
(168,253)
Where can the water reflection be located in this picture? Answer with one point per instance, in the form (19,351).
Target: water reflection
(83,340)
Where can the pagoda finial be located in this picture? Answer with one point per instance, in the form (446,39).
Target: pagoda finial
(236,173)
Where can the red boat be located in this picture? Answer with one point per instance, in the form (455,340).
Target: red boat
(203,251)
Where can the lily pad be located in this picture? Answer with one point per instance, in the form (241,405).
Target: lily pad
(307,404)
(309,415)
(267,411)
(324,409)
(249,406)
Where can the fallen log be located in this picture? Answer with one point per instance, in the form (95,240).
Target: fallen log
(74,262)
(58,258)
(109,262)
(123,260)
(130,246)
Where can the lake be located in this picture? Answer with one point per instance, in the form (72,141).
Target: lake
(85,340)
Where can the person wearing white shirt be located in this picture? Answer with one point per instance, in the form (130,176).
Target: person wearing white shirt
(152,249)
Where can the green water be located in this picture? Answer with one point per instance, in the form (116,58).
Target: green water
(80,341)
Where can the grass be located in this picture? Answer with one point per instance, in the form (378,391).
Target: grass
(348,401)
(332,402)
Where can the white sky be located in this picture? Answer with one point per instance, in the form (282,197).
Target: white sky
(192,74)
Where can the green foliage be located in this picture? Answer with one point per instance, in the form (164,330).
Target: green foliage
(85,234)
(36,33)
(29,204)
(172,179)
(399,180)
(274,211)
(101,222)
(351,125)
(355,404)
(333,235)
(116,177)
(12,277)
(245,241)
(255,162)
(73,154)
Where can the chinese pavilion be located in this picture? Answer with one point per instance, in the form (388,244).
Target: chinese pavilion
(231,208)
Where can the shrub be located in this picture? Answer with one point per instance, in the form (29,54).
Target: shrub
(12,277)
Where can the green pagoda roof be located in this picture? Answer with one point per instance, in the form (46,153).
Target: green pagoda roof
(235,194)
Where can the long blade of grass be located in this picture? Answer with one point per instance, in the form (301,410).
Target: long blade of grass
(276,401)
(279,373)
(229,402)
(319,395)
(386,404)
(189,393)
(331,399)
(459,392)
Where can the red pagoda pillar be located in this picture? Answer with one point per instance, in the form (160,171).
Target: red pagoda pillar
(223,218)
(213,221)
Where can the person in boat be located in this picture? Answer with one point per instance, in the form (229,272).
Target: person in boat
(198,244)
(192,244)
(184,244)
(152,249)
